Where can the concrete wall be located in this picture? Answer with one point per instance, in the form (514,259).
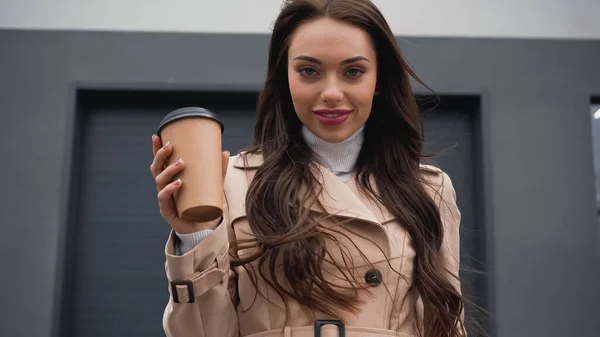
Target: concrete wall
(538,162)
(538,155)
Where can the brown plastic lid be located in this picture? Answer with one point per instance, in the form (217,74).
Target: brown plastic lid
(189,112)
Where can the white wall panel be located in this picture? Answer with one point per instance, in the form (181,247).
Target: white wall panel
(575,19)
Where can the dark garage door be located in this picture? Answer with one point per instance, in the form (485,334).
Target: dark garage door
(115,284)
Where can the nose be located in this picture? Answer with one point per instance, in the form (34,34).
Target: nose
(332,91)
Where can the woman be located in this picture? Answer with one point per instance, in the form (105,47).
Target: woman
(331,224)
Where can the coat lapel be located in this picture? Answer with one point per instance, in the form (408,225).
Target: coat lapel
(341,199)
(382,214)
(337,198)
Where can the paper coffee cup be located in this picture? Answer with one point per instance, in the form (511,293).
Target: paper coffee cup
(195,134)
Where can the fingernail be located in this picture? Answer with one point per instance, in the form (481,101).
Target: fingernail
(167,145)
(153,137)
(179,162)
(178,182)
(228,153)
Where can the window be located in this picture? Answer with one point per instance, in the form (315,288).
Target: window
(595,113)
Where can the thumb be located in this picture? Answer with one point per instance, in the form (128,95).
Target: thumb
(225,162)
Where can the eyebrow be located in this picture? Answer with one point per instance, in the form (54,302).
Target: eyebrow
(347,61)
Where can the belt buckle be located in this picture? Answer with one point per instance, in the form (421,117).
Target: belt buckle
(190,289)
(320,322)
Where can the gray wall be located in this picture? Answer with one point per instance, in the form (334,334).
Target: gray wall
(538,163)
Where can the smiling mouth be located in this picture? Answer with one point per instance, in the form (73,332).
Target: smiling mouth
(332,117)
(332,113)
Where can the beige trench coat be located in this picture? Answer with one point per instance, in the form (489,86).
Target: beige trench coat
(202,285)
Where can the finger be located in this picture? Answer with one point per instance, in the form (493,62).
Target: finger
(156,144)
(166,203)
(166,176)
(160,160)
(225,162)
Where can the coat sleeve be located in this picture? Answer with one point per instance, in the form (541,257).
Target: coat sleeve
(450,250)
(201,287)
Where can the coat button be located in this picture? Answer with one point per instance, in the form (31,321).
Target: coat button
(373,277)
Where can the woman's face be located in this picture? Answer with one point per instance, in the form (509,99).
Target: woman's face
(332,71)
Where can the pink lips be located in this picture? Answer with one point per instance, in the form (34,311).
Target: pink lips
(332,116)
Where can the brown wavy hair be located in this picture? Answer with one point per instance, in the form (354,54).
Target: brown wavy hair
(288,236)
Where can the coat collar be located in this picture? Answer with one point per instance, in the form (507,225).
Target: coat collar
(338,198)
(247,161)
(253,161)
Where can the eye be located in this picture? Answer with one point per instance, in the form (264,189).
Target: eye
(309,72)
(354,72)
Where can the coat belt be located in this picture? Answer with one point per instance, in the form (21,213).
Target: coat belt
(329,331)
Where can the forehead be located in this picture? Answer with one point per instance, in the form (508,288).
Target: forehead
(329,38)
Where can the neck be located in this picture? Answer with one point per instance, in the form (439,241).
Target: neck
(340,157)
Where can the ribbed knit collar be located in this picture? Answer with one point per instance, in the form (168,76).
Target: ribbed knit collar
(340,157)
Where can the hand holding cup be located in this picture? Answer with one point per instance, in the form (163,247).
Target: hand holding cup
(189,169)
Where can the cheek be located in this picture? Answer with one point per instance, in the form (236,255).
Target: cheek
(363,96)
(302,95)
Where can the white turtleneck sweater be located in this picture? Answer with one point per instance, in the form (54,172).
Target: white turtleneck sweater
(340,158)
